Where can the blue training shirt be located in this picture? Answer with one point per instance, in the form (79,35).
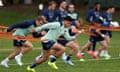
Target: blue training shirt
(50,15)
(24,24)
(61,15)
(107,19)
(92,16)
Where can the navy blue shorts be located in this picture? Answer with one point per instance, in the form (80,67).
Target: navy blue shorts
(18,42)
(108,33)
(47,45)
(63,42)
(94,39)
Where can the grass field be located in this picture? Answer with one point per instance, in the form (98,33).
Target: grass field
(10,16)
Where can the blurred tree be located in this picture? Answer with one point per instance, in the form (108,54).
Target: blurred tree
(11,2)
(28,1)
(21,1)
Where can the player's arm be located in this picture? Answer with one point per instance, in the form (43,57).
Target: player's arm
(74,29)
(37,34)
(53,25)
(99,32)
(18,25)
(89,17)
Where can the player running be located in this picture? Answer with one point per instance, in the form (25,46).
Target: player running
(107,19)
(100,37)
(69,40)
(22,30)
(92,17)
(49,43)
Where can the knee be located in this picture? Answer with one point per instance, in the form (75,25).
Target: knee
(62,49)
(105,46)
(30,47)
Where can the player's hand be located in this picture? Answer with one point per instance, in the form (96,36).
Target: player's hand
(5,31)
(104,36)
(43,32)
(33,30)
(81,31)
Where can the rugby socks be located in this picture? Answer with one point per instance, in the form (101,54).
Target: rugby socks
(64,56)
(94,46)
(20,55)
(78,53)
(89,48)
(68,57)
(33,65)
(6,60)
(53,59)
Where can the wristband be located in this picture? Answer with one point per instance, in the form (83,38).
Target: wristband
(103,35)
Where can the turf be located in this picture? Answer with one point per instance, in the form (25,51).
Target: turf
(12,15)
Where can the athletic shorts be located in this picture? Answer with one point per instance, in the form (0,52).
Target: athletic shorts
(94,39)
(109,33)
(63,42)
(18,42)
(48,45)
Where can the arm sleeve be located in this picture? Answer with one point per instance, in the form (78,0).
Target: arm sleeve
(89,16)
(36,35)
(45,13)
(54,25)
(19,25)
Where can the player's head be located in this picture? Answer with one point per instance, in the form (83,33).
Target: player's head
(71,8)
(52,5)
(67,21)
(39,21)
(63,4)
(97,6)
(111,9)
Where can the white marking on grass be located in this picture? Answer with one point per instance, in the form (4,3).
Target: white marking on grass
(88,60)
(11,49)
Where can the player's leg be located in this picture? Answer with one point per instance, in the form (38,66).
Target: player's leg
(28,47)
(45,55)
(63,42)
(74,47)
(87,45)
(47,45)
(59,50)
(108,37)
(16,51)
(105,52)
(104,46)
(92,48)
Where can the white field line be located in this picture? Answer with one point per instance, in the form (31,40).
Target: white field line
(39,48)
(88,60)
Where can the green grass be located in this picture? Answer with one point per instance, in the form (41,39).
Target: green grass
(87,66)
(9,16)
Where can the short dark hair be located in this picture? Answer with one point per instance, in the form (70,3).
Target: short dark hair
(62,1)
(96,3)
(51,3)
(110,7)
(68,18)
(39,18)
